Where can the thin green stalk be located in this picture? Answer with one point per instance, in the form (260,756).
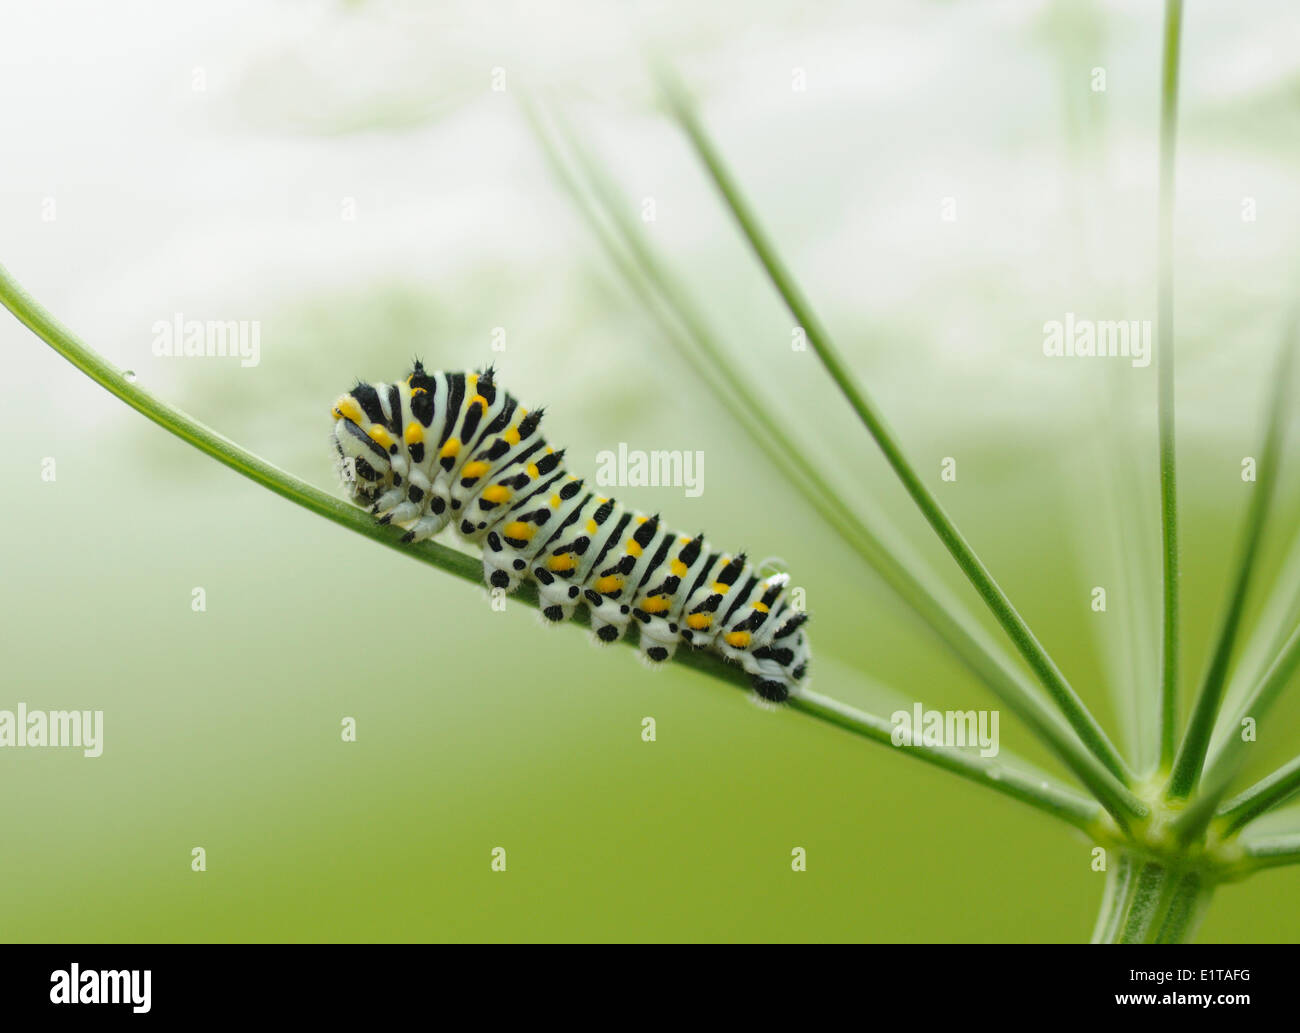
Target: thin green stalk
(1259,700)
(659,290)
(1274,626)
(1266,794)
(1192,822)
(1190,760)
(1078,716)
(1027,788)
(1273,852)
(1036,792)
(1165,398)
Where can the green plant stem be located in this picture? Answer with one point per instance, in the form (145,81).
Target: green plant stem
(1273,852)
(659,290)
(1037,792)
(1261,698)
(1192,822)
(1270,638)
(1190,760)
(1027,788)
(1078,716)
(1266,794)
(1149,902)
(1169,653)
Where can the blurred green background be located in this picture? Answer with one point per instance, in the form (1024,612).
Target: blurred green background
(204,165)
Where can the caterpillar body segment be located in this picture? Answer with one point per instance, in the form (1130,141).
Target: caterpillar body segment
(439,449)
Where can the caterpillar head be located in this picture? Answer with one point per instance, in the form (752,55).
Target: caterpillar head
(364,465)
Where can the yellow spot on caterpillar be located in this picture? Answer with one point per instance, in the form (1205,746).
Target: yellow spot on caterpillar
(451,448)
(699,621)
(380,435)
(633,549)
(561,563)
(349,407)
(737,639)
(414,433)
(519,530)
(497,493)
(608,584)
(642,519)
(478,400)
(555,502)
(533,472)
(591,527)
(655,604)
(678,568)
(761,607)
(683,541)
(512,436)
(601,499)
(476,469)
(720,588)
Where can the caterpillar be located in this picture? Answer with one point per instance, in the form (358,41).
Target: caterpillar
(438,448)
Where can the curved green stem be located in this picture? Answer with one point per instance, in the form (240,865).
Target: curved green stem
(1035,791)
(1078,716)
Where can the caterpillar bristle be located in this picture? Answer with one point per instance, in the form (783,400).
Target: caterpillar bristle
(648,662)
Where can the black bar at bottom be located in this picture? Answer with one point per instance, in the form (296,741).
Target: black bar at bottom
(206,981)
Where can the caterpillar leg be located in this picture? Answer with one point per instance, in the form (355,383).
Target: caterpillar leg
(655,653)
(609,618)
(558,597)
(502,570)
(390,499)
(402,514)
(426,527)
(604,632)
(772,689)
(659,638)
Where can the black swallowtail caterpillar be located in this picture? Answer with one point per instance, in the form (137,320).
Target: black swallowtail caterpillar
(442,447)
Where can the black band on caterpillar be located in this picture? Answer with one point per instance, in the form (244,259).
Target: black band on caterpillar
(451,448)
